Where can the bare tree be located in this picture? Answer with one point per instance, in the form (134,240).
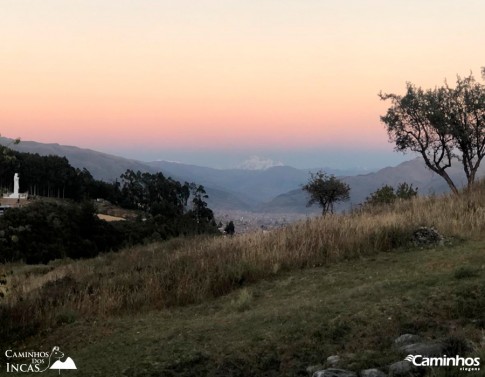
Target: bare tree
(440,124)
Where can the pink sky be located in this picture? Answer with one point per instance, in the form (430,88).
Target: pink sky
(213,74)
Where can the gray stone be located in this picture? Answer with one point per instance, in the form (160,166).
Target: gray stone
(424,349)
(406,339)
(372,373)
(332,372)
(333,360)
(313,368)
(402,369)
(425,236)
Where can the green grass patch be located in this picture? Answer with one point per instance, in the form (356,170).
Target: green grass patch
(465,272)
(283,325)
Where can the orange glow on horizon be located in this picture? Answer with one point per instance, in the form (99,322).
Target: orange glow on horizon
(223,74)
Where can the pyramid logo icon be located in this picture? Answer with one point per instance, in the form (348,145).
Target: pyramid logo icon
(67,364)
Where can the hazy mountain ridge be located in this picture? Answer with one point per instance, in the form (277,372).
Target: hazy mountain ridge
(413,172)
(108,168)
(276,189)
(256,186)
(102,166)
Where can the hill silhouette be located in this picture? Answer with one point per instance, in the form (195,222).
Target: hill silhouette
(273,190)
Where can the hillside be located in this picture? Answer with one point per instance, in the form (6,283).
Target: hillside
(282,326)
(252,186)
(273,190)
(255,185)
(413,172)
(265,303)
(108,168)
(101,165)
(228,189)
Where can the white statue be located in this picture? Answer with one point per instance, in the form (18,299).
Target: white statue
(16,180)
(16,190)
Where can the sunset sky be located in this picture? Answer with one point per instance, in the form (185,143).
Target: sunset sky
(212,82)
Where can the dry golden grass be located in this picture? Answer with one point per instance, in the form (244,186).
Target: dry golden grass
(185,271)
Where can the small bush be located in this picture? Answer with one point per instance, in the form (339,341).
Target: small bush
(470,302)
(230,228)
(456,345)
(387,194)
(465,272)
(66,317)
(338,331)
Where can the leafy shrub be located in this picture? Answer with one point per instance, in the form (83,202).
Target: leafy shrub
(387,194)
(230,228)
(45,230)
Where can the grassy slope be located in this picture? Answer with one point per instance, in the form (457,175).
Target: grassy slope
(278,327)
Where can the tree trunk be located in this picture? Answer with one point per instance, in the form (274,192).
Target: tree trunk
(450,182)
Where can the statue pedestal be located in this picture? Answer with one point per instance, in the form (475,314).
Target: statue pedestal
(15,196)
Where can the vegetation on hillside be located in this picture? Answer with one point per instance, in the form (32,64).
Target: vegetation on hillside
(326,190)
(282,326)
(47,230)
(188,271)
(230,228)
(52,176)
(51,229)
(387,194)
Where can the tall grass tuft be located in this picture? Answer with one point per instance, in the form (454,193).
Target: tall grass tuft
(187,271)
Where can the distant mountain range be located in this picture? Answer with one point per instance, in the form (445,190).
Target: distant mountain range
(272,190)
(100,165)
(413,172)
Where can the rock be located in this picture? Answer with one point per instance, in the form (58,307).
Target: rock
(425,236)
(402,369)
(313,368)
(406,339)
(332,372)
(424,349)
(333,360)
(372,373)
